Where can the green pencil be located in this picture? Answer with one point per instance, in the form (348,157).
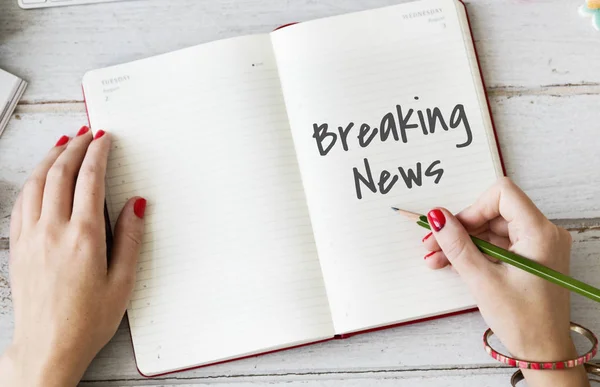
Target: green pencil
(516,260)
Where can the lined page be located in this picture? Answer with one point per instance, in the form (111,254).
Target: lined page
(228,265)
(362,74)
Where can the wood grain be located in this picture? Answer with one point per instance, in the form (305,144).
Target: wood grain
(448,343)
(523,45)
(548,147)
(6,312)
(447,378)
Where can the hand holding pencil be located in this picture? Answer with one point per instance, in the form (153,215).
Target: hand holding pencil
(530,315)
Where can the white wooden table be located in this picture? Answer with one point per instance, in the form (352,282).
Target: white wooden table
(541,65)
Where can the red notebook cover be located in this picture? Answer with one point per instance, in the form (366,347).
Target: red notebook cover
(342,336)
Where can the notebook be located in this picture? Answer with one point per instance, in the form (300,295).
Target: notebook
(11,90)
(270,163)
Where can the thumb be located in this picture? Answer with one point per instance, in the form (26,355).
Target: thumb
(457,245)
(127,244)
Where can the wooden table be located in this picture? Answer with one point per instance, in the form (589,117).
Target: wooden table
(539,59)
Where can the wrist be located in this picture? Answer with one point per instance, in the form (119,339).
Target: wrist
(557,348)
(570,377)
(22,366)
(562,348)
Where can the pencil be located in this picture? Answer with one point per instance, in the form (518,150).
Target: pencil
(520,262)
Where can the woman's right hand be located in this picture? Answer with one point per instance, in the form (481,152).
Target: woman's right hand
(530,316)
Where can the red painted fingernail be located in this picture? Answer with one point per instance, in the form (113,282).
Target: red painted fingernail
(84,129)
(426,237)
(99,134)
(437,220)
(62,141)
(139,208)
(429,255)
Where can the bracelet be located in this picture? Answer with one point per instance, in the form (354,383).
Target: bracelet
(545,365)
(590,368)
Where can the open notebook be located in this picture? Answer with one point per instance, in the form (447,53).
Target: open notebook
(270,163)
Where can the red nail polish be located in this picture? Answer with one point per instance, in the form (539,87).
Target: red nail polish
(139,208)
(84,129)
(426,237)
(62,141)
(429,255)
(99,134)
(437,220)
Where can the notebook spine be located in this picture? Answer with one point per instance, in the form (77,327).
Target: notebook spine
(487,98)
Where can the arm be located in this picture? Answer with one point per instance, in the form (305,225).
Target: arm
(530,316)
(68,300)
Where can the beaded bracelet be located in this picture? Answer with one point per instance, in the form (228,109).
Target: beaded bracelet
(545,365)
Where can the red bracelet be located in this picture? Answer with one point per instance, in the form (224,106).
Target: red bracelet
(558,365)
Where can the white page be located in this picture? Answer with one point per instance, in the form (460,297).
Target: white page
(356,68)
(228,264)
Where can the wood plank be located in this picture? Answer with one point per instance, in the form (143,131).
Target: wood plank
(521,44)
(546,148)
(448,343)
(448,378)
(24,143)
(6,311)
(550,150)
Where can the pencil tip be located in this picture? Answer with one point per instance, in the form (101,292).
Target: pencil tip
(408,214)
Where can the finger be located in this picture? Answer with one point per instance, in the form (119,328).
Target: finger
(436,260)
(60,183)
(33,190)
(88,200)
(495,239)
(127,244)
(430,243)
(15,220)
(504,199)
(458,247)
(499,226)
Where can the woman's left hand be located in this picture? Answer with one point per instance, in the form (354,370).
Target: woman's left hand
(68,300)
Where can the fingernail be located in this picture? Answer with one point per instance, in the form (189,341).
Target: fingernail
(62,141)
(139,208)
(84,129)
(437,220)
(429,255)
(426,237)
(99,134)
